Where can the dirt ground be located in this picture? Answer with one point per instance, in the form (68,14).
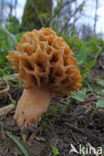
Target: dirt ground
(60,127)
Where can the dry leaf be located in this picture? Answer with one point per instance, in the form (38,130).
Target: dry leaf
(3,135)
(39,138)
(32,136)
(24,136)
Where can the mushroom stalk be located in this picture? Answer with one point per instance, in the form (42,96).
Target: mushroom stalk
(32,104)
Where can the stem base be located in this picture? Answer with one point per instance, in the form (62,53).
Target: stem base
(32,104)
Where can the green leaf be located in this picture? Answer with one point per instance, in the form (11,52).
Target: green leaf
(80,62)
(84,90)
(100,103)
(99,90)
(84,151)
(12,100)
(54,150)
(100,82)
(80,96)
(92,63)
(17,143)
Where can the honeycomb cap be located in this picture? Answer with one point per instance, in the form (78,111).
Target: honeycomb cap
(43,58)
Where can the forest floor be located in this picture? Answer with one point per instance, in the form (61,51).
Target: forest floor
(60,127)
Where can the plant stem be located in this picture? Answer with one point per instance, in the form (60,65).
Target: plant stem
(91,116)
(66,106)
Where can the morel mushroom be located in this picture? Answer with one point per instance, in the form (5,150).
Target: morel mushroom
(46,65)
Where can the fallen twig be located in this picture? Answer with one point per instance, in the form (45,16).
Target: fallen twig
(5,110)
(6,89)
(74,137)
(92,99)
(84,132)
(6,81)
